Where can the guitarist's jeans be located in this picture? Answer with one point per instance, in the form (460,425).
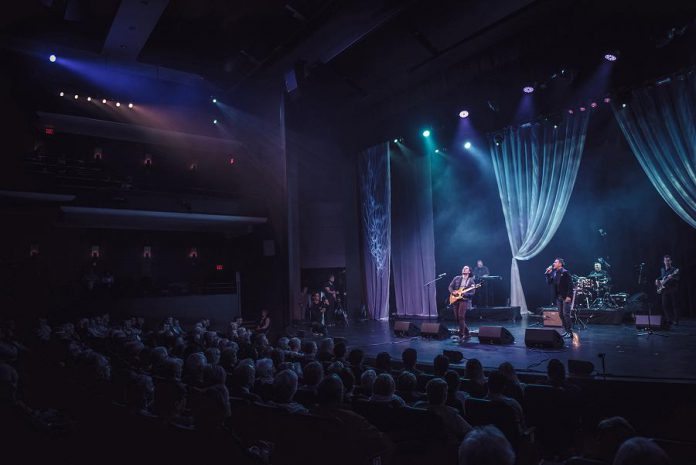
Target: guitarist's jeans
(669,305)
(564,312)
(460,307)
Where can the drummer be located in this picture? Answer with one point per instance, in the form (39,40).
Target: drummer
(600,276)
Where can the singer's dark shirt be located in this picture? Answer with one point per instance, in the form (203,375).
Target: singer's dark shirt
(562,283)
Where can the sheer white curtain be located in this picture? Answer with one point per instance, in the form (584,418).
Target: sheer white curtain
(535,166)
(413,235)
(375,206)
(659,124)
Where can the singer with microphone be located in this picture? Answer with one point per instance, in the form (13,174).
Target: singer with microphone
(461,290)
(558,277)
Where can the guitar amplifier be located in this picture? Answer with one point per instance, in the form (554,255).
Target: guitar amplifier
(552,319)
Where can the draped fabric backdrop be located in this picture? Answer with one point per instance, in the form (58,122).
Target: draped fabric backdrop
(535,166)
(413,237)
(375,198)
(659,124)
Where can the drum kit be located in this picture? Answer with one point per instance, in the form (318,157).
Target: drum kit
(594,292)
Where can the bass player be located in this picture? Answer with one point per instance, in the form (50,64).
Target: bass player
(461,289)
(668,285)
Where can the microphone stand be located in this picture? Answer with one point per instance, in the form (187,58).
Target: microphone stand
(428,285)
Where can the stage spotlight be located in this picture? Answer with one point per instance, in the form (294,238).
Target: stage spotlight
(76,96)
(583,108)
(528,89)
(463,114)
(130,105)
(103,100)
(61,94)
(396,140)
(89,99)
(437,150)
(593,104)
(467,145)
(118,104)
(610,57)
(555,126)
(52,58)
(607,100)
(214,100)
(426,133)
(498,139)
(623,105)
(570,111)
(215,121)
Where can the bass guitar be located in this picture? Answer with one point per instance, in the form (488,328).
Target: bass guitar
(662,282)
(459,293)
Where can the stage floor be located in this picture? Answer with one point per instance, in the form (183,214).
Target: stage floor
(628,355)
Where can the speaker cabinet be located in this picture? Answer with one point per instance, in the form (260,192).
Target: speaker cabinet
(655,321)
(552,319)
(405,329)
(543,337)
(495,335)
(434,330)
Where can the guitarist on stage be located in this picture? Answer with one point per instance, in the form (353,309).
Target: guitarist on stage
(463,302)
(667,285)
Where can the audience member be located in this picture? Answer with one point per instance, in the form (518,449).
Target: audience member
(455,397)
(383,392)
(440,365)
(284,389)
(513,387)
(436,391)
(406,388)
(383,363)
(486,445)
(640,451)
(496,386)
(477,381)
(409,357)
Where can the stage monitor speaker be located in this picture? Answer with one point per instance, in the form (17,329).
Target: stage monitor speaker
(405,329)
(454,356)
(552,319)
(580,367)
(543,337)
(495,335)
(435,330)
(642,321)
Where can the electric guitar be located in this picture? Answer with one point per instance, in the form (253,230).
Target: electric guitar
(661,282)
(459,293)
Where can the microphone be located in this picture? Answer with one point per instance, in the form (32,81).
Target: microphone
(548,270)
(441,275)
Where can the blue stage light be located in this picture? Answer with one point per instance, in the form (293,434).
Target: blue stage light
(467,145)
(52,58)
(426,133)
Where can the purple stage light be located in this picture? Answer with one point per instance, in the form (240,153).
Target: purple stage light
(528,89)
(463,114)
(610,57)
(593,104)
(583,108)
(570,111)
(607,100)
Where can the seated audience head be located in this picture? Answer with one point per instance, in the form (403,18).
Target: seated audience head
(474,370)
(348,380)
(486,445)
(285,386)
(264,369)
(453,381)
(193,367)
(212,355)
(278,357)
(640,451)
(340,350)
(326,345)
(509,372)
(611,433)
(214,375)
(244,376)
(367,381)
(330,391)
(283,343)
(294,344)
(172,368)
(140,392)
(228,359)
(496,382)
(384,385)
(406,382)
(309,348)
(556,372)
(436,390)
(409,357)
(383,362)
(356,357)
(313,373)
(440,365)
